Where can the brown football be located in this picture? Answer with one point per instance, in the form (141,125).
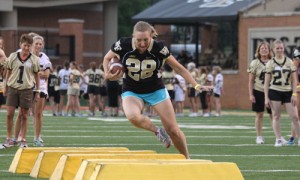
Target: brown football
(116,66)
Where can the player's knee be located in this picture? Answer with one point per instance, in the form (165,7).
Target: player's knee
(173,131)
(133,118)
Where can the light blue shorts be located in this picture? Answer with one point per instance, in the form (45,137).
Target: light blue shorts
(150,98)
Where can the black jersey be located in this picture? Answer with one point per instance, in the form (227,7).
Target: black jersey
(52,81)
(142,71)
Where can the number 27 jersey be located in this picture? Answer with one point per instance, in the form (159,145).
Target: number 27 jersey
(281,74)
(142,71)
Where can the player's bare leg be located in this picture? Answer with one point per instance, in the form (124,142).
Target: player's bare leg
(166,112)
(133,110)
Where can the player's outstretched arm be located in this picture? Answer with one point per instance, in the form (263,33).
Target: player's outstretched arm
(178,68)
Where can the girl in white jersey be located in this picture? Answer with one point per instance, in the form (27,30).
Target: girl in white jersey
(63,76)
(218,88)
(45,65)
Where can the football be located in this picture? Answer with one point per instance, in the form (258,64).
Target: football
(116,65)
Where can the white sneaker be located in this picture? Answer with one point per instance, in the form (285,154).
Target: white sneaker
(206,115)
(2,147)
(260,140)
(278,143)
(218,115)
(193,115)
(284,142)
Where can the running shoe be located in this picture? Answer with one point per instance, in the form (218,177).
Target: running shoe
(23,144)
(284,142)
(8,143)
(38,143)
(1,146)
(278,143)
(163,137)
(260,140)
(291,141)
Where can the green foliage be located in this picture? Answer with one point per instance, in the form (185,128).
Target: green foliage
(127,9)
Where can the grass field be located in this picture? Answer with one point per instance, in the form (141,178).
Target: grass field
(229,138)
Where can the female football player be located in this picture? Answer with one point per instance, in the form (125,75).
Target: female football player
(256,72)
(143,56)
(281,88)
(45,65)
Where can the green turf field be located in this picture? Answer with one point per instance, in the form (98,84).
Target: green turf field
(229,138)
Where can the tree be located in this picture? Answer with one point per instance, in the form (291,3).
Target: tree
(127,9)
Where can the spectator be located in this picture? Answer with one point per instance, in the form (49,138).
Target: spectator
(218,88)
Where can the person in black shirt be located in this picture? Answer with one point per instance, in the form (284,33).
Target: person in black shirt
(142,57)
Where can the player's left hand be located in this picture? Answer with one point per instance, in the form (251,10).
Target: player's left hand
(294,100)
(36,97)
(113,77)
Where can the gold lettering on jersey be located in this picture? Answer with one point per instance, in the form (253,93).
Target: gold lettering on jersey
(118,46)
(140,69)
(164,51)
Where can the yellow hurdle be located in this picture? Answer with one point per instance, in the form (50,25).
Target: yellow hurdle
(25,158)
(69,164)
(174,171)
(87,166)
(48,159)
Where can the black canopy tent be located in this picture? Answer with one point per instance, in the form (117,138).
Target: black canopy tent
(194,12)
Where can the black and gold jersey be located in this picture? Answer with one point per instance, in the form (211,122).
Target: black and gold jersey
(142,71)
(258,69)
(280,70)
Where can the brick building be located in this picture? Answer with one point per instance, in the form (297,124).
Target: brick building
(77,30)
(250,23)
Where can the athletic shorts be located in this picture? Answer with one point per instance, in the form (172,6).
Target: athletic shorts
(171,94)
(42,94)
(19,98)
(103,91)
(63,92)
(73,92)
(192,92)
(150,98)
(95,90)
(283,97)
(259,105)
(217,95)
(2,99)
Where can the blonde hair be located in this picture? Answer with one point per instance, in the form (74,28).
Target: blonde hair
(191,66)
(40,38)
(33,34)
(218,69)
(257,54)
(143,26)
